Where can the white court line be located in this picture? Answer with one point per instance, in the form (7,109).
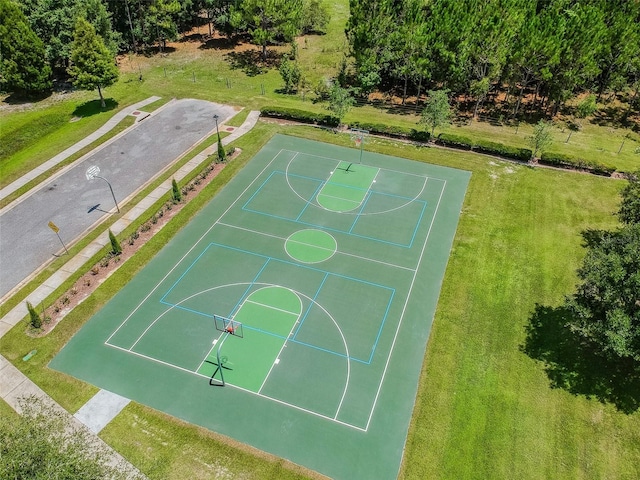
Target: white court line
(313,245)
(271,307)
(404,308)
(277,359)
(426,178)
(194,246)
(261,395)
(360,257)
(324,195)
(414,270)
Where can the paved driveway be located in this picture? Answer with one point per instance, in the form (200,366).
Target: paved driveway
(74,204)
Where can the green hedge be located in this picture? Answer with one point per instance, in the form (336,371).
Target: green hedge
(300,116)
(455,141)
(392,131)
(495,148)
(567,161)
(484,146)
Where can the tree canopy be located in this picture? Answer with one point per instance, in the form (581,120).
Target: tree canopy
(553,48)
(92,64)
(606,306)
(23,67)
(630,206)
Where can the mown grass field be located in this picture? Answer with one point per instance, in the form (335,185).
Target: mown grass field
(485,409)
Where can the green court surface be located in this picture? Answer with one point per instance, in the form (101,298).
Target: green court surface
(333,269)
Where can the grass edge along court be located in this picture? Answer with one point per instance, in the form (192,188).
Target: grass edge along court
(340,378)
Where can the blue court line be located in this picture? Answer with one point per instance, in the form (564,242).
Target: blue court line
(248,289)
(181,276)
(246,207)
(362,206)
(313,301)
(269,259)
(309,202)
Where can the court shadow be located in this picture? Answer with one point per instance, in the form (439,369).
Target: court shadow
(573,364)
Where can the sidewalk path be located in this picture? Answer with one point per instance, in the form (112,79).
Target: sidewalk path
(62,156)
(14,385)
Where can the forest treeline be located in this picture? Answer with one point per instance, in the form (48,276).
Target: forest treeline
(548,50)
(553,49)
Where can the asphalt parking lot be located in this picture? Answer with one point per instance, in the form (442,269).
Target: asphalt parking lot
(75,204)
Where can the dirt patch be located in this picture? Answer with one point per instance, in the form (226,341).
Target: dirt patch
(102,270)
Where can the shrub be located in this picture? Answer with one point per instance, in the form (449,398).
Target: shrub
(115,245)
(222,155)
(455,141)
(34,318)
(495,148)
(300,116)
(567,161)
(393,131)
(175,191)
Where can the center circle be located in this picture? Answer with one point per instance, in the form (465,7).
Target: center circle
(310,246)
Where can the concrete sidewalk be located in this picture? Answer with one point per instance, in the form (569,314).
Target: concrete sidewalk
(14,385)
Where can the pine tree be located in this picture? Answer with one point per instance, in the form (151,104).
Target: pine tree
(34,317)
(93,66)
(175,191)
(116,249)
(222,155)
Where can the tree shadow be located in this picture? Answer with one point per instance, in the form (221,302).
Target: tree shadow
(220,43)
(93,107)
(575,365)
(251,61)
(18,98)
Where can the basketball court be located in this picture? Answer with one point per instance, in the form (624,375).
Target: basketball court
(292,313)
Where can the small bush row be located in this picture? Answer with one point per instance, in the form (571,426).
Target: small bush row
(567,161)
(484,146)
(392,131)
(300,116)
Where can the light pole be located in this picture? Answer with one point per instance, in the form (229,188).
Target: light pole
(215,117)
(92,172)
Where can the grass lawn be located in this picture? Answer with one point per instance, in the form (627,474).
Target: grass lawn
(485,409)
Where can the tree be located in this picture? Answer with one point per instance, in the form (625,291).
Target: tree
(584,109)
(161,18)
(290,70)
(270,20)
(340,101)
(23,66)
(41,443)
(606,306)
(92,66)
(541,138)
(437,111)
(315,17)
(629,212)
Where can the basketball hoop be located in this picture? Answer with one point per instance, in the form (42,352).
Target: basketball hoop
(358,136)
